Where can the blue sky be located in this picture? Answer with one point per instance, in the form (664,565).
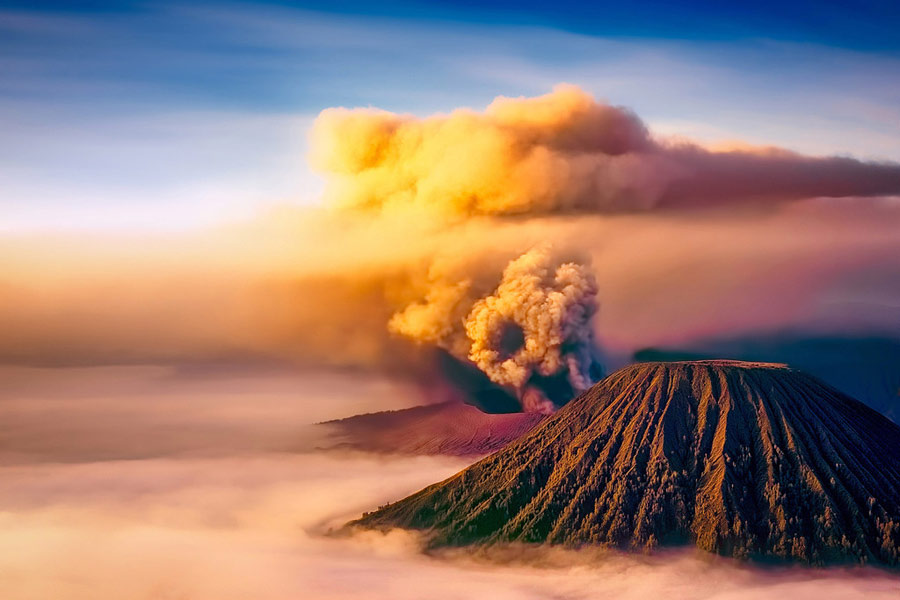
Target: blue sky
(161,115)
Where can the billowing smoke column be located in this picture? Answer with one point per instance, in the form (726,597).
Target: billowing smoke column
(529,330)
(532,333)
(537,322)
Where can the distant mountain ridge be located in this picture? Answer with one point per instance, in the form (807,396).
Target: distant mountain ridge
(448,428)
(749,460)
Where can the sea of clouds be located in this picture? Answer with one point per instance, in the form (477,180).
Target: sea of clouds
(102,504)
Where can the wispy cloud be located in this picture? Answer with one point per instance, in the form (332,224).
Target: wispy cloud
(106,83)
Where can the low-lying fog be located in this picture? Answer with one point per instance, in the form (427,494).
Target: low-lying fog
(151,483)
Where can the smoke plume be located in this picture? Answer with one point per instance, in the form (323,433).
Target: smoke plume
(466,193)
(559,153)
(532,333)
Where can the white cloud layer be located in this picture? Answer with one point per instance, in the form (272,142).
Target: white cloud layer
(247,522)
(249,527)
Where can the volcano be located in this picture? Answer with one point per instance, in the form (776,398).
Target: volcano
(751,460)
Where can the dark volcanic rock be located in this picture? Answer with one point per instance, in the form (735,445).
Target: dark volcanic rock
(743,459)
(449,428)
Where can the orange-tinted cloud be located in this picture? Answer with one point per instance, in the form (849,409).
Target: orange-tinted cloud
(558,153)
(429,216)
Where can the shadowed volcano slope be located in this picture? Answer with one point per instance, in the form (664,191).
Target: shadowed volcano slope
(742,459)
(449,428)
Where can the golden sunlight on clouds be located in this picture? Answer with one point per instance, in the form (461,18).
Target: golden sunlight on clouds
(559,153)
(422,218)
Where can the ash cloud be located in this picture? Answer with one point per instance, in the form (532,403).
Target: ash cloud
(555,154)
(563,151)
(534,327)
(560,153)
(468,194)
(537,321)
